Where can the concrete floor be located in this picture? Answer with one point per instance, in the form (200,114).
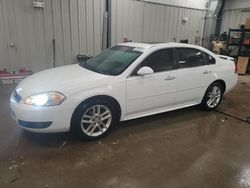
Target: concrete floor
(185,148)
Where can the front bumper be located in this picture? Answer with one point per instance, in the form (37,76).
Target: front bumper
(41,119)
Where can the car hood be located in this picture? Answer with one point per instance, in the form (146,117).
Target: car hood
(68,80)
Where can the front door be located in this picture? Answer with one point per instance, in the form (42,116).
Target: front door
(155,91)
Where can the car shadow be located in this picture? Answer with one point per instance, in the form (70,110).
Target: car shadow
(48,139)
(173,119)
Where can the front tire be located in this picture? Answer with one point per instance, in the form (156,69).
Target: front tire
(94,119)
(212,97)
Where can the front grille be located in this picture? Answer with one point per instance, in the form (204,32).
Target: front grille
(17,97)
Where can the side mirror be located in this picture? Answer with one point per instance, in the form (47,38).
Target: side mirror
(82,58)
(145,71)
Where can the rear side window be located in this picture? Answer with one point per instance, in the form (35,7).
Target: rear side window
(159,61)
(209,59)
(188,57)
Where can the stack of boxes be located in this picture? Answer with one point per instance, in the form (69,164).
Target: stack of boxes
(13,77)
(242,63)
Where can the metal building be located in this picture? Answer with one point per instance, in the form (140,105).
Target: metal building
(52,32)
(27,32)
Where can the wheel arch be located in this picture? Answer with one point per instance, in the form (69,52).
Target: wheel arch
(222,83)
(99,97)
(219,81)
(203,102)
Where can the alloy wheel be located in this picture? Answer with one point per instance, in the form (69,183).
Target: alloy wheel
(214,96)
(96,120)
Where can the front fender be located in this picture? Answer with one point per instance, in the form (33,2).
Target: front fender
(116,91)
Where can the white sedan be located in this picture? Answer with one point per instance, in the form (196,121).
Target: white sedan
(124,82)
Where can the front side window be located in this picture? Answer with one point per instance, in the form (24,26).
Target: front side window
(188,57)
(159,61)
(113,61)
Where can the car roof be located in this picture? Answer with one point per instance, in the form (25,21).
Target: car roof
(149,45)
(137,45)
(152,45)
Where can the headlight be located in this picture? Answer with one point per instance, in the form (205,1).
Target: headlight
(45,99)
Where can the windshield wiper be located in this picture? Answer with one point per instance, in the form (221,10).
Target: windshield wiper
(104,72)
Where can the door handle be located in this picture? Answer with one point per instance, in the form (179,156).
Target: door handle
(207,72)
(170,77)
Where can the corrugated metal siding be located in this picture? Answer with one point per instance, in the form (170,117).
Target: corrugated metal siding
(194,4)
(76,26)
(126,20)
(4,57)
(141,21)
(231,19)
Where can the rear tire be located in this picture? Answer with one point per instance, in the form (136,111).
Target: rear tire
(94,119)
(212,97)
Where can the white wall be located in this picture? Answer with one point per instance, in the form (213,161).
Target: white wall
(141,21)
(231,19)
(196,4)
(234,14)
(76,26)
(237,4)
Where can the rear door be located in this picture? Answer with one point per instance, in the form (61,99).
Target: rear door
(194,75)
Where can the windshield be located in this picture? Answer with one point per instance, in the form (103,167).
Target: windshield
(113,61)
